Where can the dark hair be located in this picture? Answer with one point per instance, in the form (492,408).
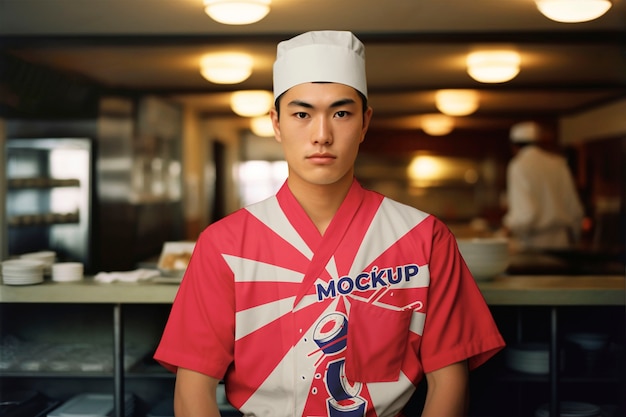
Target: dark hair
(277,102)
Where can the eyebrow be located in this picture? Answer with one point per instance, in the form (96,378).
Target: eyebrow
(335,104)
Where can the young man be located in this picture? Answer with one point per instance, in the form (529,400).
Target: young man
(326,299)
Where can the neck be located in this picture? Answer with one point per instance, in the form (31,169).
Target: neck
(320,202)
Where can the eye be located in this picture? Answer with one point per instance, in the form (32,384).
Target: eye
(301,115)
(342,113)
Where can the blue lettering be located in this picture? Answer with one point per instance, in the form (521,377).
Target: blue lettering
(397,277)
(389,273)
(345,285)
(362,281)
(330,292)
(377,279)
(410,271)
(366,281)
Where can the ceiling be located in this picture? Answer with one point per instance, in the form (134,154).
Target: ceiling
(413,48)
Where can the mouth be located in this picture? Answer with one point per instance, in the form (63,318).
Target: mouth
(321,158)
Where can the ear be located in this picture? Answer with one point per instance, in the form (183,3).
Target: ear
(275,124)
(367,117)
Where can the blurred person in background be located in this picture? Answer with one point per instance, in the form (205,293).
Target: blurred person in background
(544,209)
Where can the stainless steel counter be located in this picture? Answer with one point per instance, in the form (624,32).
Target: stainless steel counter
(531,290)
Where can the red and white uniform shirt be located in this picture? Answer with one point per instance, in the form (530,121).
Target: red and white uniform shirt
(340,325)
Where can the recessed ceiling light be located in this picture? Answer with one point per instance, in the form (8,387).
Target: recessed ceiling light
(251,103)
(262,126)
(437,124)
(456,102)
(493,66)
(573,11)
(226,68)
(237,12)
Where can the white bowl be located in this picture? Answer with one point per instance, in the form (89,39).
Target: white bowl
(485,257)
(46,257)
(67,271)
(22,265)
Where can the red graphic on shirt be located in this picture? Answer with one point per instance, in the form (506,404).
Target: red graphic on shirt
(330,393)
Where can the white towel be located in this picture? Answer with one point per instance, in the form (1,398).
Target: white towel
(137,275)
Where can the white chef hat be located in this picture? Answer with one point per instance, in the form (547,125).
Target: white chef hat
(525,132)
(320,56)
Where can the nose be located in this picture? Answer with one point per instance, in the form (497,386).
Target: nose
(322,132)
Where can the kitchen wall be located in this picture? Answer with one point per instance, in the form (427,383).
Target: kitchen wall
(603,121)
(599,138)
(140,177)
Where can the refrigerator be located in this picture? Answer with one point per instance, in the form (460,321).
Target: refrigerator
(49,197)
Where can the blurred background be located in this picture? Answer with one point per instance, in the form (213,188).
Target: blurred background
(169,155)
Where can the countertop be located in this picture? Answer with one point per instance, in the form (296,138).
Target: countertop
(531,290)
(555,290)
(90,291)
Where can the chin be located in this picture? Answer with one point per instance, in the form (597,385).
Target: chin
(330,180)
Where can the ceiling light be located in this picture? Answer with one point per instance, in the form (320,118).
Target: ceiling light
(262,126)
(424,168)
(496,66)
(237,12)
(456,102)
(226,68)
(573,11)
(251,103)
(437,124)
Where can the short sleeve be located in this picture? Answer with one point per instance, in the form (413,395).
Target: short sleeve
(199,334)
(459,324)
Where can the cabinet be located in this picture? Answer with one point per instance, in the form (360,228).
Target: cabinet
(128,318)
(573,374)
(44,187)
(119,324)
(546,310)
(76,348)
(49,197)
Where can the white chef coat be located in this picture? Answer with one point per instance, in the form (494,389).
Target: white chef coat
(544,209)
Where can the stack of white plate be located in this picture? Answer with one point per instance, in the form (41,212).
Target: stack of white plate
(22,272)
(571,409)
(531,358)
(67,271)
(47,257)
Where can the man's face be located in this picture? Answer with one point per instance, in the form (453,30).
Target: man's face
(321,127)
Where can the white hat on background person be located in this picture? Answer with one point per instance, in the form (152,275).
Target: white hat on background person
(320,56)
(525,132)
